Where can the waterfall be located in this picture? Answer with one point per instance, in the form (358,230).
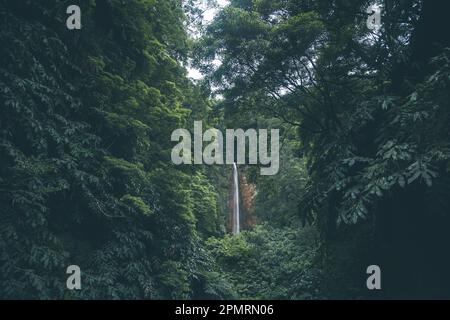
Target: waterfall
(236,214)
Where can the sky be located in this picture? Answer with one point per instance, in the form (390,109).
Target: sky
(208,16)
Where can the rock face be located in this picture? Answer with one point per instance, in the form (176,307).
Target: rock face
(244,199)
(248,194)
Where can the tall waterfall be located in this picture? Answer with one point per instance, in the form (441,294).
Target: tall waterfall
(236,214)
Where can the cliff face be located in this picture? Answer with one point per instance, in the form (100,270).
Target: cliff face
(247,193)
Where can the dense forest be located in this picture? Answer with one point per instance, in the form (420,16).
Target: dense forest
(86,175)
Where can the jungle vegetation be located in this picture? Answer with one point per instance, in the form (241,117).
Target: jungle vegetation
(86,176)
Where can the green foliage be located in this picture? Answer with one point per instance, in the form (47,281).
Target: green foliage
(278,196)
(86,176)
(289,60)
(270,263)
(370,109)
(85,151)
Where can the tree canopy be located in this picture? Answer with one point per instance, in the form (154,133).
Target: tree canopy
(86,176)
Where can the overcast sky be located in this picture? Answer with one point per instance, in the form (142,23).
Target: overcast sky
(209,14)
(207,17)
